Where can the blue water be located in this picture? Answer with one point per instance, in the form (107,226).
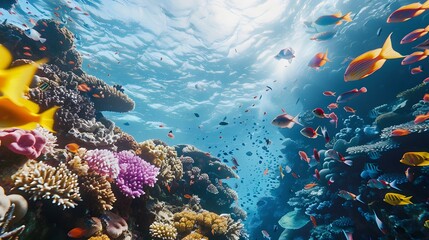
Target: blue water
(216,58)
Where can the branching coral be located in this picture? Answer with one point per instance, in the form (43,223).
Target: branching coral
(235,228)
(162,231)
(98,190)
(380,146)
(410,126)
(103,162)
(135,173)
(50,140)
(92,133)
(46,182)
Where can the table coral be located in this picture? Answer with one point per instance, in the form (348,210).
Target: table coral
(27,143)
(42,181)
(161,231)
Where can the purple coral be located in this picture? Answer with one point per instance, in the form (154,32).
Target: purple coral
(135,173)
(27,143)
(103,162)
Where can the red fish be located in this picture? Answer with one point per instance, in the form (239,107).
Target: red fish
(407,12)
(316,174)
(76,233)
(303,156)
(319,60)
(295,175)
(170,134)
(426,98)
(334,118)
(83,87)
(332,106)
(72,147)
(421,118)
(349,109)
(309,132)
(265,172)
(400,132)
(426,80)
(42,48)
(310,186)
(313,220)
(27,54)
(347,96)
(316,155)
(329,93)
(416,70)
(285,121)
(318,112)
(187,196)
(415,57)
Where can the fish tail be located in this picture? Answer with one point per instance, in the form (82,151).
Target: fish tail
(425,5)
(42,40)
(348,162)
(325,57)
(407,199)
(393,185)
(47,118)
(295,121)
(347,17)
(358,197)
(387,51)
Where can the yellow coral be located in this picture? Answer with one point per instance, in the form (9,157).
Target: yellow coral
(185,221)
(195,236)
(101,237)
(209,220)
(162,231)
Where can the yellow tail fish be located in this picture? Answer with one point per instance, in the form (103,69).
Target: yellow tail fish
(397,199)
(417,159)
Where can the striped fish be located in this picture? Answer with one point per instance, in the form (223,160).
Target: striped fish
(419,159)
(397,199)
(371,61)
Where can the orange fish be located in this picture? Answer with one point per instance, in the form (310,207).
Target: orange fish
(76,233)
(303,156)
(27,54)
(72,147)
(170,134)
(309,132)
(32,21)
(42,48)
(349,109)
(265,172)
(168,187)
(416,70)
(426,97)
(313,220)
(187,196)
(26,48)
(421,118)
(329,93)
(310,186)
(414,35)
(400,132)
(71,62)
(83,87)
(319,60)
(161,126)
(332,106)
(371,61)
(407,12)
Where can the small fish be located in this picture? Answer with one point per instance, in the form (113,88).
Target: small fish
(42,48)
(288,169)
(329,93)
(426,98)
(400,132)
(333,19)
(187,196)
(269,87)
(426,80)
(287,53)
(303,156)
(421,118)
(332,106)
(349,109)
(381,184)
(416,159)
(348,195)
(316,155)
(72,147)
(424,45)
(35,35)
(77,232)
(409,175)
(295,175)
(235,162)
(415,57)
(323,36)
(126,123)
(197,115)
(316,174)
(379,30)
(266,235)
(347,96)
(380,224)
(334,119)
(310,186)
(338,156)
(319,60)
(223,123)
(282,175)
(170,134)
(309,132)
(318,112)
(414,35)
(265,171)
(396,199)
(285,121)
(313,220)
(371,61)
(28,54)
(83,87)
(416,70)
(325,134)
(407,12)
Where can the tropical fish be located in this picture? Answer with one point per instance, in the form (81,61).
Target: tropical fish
(223,123)
(419,159)
(349,109)
(348,235)
(309,132)
(282,175)
(400,132)
(348,195)
(72,147)
(316,174)
(370,170)
(187,196)
(319,60)
(303,156)
(35,35)
(266,235)
(333,19)
(381,184)
(323,36)
(380,224)
(334,118)
(426,98)
(371,61)
(332,106)
(235,162)
(310,186)
(423,45)
(89,227)
(265,171)
(288,169)
(407,12)
(397,199)
(318,112)
(329,93)
(287,53)
(170,134)
(316,155)
(414,35)
(197,115)
(415,57)
(313,220)
(379,30)
(409,175)
(285,121)
(421,118)
(338,156)
(77,232)
(83,87)
(325,134)
(347,96)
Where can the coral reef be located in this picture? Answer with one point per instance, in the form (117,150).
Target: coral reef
(162,231)
(46,182)
(98,191)
(103,162)
(195,236)
(116,226)
(410,126)
(93,134)
(379,146)
(218,225)
(185,221)
(27,143)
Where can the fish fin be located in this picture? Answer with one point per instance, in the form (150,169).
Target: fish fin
(358,197)
(32,106)
(393,185)
(347,17)
(6,57)
(387,51)
(338,14)
(426,52)
(407,199)
(338,23)
(348,162)
(42,40)
(47,118)
(325,56)
(28,126)
(425,5)
(295,121)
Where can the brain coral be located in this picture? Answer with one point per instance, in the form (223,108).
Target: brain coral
(46,182)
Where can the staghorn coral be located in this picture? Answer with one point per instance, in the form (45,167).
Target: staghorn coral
(195,236)
(98,190)
(235,230)
(410,126)
(103,162)
(27,143)
(211,222)
(5,222)
(162,231)
(164,157)
(185,221)
(379,146)
(46,182)
(101,237)
(134,174)
(93,134)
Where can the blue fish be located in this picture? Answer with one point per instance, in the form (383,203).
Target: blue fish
(323,36)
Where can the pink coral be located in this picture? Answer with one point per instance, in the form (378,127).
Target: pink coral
(103,162)
(27,143)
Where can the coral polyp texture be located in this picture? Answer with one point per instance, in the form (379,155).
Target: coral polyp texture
(97,190)
(103,162)
(42,181)
(161,231)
